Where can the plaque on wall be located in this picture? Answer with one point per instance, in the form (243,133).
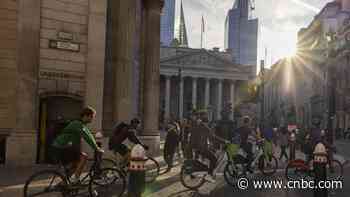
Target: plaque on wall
(65,35)
(64,45)
(60,75)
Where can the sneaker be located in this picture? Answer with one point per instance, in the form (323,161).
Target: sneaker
(210,179)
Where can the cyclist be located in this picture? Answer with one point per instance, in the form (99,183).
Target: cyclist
(201,137)
(67,145)
(123,132)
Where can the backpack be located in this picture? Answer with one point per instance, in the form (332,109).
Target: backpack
(59,126)
(115,133)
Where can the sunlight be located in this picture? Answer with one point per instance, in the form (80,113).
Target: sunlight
(291,51)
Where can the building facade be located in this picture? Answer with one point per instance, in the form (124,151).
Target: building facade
(241,33)
(200,79)
(167,23)
(54,60)
(320,70)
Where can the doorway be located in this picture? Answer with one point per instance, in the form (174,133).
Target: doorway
(54,111)
(2,149)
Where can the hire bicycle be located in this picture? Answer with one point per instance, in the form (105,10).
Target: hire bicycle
(193,172)
(300,169)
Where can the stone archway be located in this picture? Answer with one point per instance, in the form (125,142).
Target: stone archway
(54,109)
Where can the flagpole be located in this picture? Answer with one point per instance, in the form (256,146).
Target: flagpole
(202,28)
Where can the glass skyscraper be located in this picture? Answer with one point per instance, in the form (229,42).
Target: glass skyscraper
(167,23)
(241,33)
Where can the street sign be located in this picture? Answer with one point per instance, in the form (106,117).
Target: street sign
(64,45)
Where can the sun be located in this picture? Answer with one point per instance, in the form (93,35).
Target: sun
(291,51)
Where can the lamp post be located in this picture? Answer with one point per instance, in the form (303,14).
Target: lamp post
(331,87)
(262,111)
(180,94)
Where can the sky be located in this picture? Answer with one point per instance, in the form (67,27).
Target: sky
(279,22)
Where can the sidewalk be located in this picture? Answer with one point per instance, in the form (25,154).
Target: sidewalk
(12,179)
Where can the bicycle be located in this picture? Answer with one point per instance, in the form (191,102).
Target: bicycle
(98,181)
(301,169)
(236,168)
(152,167)
(196,171)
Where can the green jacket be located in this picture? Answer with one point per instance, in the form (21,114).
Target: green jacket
(72,133)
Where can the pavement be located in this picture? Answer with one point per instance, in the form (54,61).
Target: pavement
(169,185)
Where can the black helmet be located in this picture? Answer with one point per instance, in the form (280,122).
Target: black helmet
(135,121)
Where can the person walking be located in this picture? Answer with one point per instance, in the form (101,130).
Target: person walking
(292,145)
(171,143)
(284,143)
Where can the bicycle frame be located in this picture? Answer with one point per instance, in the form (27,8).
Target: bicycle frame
(94,168)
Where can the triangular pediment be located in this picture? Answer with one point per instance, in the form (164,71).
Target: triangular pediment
(201,57)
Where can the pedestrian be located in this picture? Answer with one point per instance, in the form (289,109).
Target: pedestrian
(244,132)
(308,149)
(224,128)
(171,143)
(284,143)
(292,145)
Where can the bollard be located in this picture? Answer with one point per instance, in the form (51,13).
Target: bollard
(99,137)
(320,169)
(137,176)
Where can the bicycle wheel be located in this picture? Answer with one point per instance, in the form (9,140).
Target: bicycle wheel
(335,170)
(152,169)
(191,179)
(268,166)
(230,174)
(46,183)
(108,182)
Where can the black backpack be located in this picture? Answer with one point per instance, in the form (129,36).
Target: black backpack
(59,126)
(115,132)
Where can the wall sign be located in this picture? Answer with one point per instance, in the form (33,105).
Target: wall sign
(65,35)
(64,45)
(60,75)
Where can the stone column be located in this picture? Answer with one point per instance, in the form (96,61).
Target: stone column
(232,97)
(194,92)
(151,74)
(124,27)
(21,147)
(219,104)
(207,92)
(167,96)
(95,61)
(181,98)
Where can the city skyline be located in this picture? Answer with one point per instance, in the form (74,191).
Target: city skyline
(278,27)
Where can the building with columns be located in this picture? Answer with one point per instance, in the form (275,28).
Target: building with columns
(57,56)
(200,79)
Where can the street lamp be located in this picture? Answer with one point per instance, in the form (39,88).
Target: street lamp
(262,94)
(180,78)
(331,85)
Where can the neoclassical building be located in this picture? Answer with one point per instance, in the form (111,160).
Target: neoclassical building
(58,55)
(199,78)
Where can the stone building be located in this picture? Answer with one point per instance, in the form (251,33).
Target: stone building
(201,79)
(58,55)
(321,69)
